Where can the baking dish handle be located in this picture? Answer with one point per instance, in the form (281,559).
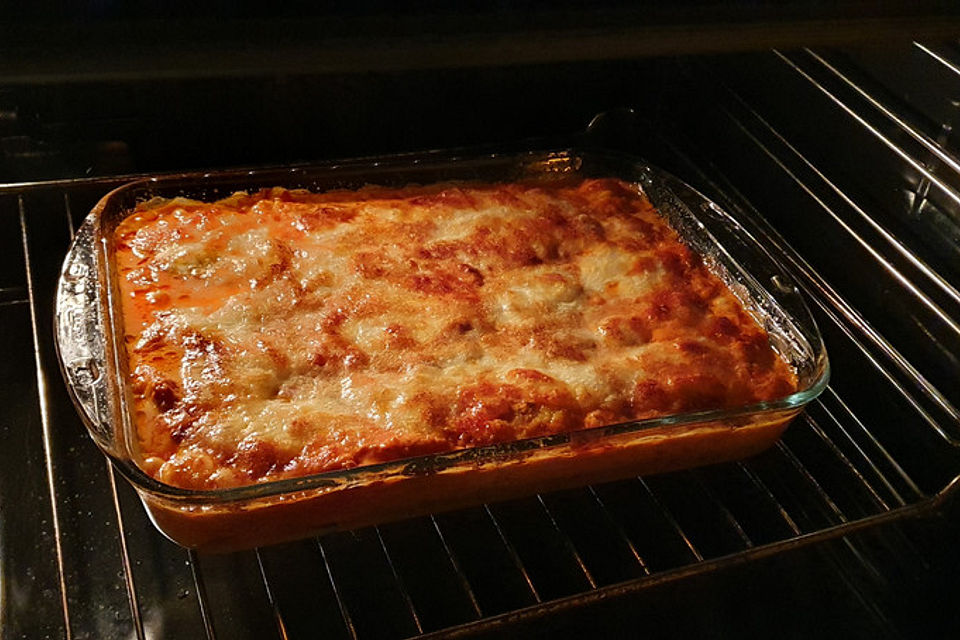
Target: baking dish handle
(614,130)
(80,337)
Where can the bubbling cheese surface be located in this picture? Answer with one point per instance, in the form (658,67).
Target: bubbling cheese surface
(284,333)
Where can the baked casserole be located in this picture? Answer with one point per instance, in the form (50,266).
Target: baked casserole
(283,333)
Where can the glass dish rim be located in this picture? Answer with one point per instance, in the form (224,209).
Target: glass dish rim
(503,453)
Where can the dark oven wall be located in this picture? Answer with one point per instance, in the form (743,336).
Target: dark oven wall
(96,88)
(107,127)
(841,159)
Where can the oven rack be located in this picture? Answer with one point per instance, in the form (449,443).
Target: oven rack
(80,558)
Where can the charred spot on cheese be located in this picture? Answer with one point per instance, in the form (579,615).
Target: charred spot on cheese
(283,333)
(165,395)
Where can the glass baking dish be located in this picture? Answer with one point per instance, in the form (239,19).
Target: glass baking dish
(90,346)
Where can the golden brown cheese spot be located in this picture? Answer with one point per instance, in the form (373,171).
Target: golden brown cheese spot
(528,404)
(283,333)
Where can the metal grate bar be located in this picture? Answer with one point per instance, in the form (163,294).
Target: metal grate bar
(593,531)
(888,237)
(886,264)
(875,443)
(300,591)
(818,431)
(941,162)
(949,64)
(424,566)
(45,421)
(29,547)
(368,585)
(278,616)
(488,564)
(756,514)
(728,516)
(202,600)
(544,547)
(514,556)
(643,522)
(846,486)
(347,621)
(812,481)
(234,589)
(806,510)
(930,145)
(705,521)
(404,592)
(916,165)
(128,580)
(944,351)
(68,210)
(926,388)
(461,577)
(568,544)
(620,531)
(817,288)
(765,490)
(668,516)
(821,432)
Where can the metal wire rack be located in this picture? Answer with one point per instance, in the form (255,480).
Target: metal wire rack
(870,248)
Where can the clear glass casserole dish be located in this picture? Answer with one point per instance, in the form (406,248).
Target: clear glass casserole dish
(92,354)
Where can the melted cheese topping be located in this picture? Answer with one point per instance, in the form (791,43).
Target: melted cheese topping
(286,333)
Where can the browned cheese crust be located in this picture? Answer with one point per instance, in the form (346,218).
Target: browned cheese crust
(285,333)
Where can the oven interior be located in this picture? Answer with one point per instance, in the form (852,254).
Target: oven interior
(841,159)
